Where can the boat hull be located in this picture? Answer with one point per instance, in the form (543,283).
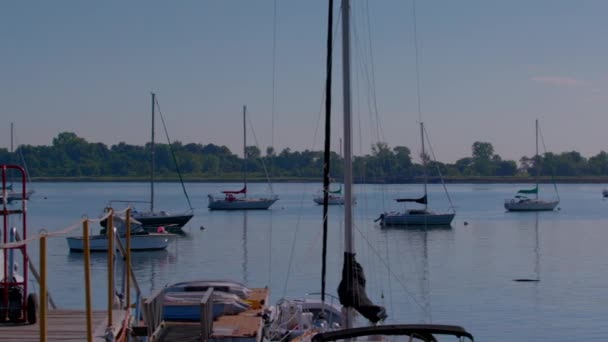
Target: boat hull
(144,242)
(530,205)
(240,204)
(150,222)
(389,219)
(334,200)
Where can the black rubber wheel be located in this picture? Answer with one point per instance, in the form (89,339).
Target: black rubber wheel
(32,308)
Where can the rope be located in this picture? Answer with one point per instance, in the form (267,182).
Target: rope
(57,233)
(445,189)
(388,268)
(540,132)
(179,174)
(255,138)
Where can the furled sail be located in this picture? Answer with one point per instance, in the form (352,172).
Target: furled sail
(352,290)
(529,191)
(242,191)
(421,200)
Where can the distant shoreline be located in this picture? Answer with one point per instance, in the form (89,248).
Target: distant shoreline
(450,180)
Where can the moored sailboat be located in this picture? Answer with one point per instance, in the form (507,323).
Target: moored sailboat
(152,219)
(521,202)
(422,216)
(141,240)
(238,199)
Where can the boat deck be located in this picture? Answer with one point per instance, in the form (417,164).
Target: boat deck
(63,325)
(244,327)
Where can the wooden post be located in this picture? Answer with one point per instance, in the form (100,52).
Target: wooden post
(128,265)
(87,279)
(206,310)
(110,231)
(43,288)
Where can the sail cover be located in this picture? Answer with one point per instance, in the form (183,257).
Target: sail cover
(529,191)
(421,200)
(352,290)
(242,191)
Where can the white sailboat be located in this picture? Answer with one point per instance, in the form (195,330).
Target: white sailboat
(352,294)
(422,216)
(238,199)
(140,239)
(521,202)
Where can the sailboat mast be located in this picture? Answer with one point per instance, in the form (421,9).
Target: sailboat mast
(152,157)
(348,167)
(537,157)
(11,138)
(327,150)
(245,148)
(426,179)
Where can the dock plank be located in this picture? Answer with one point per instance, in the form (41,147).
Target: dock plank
(63,325)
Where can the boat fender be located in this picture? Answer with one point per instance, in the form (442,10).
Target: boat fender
(161,230)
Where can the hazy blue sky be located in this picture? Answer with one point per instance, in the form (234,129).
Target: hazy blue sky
(488,69)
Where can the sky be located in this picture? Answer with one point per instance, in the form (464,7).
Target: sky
(487,70)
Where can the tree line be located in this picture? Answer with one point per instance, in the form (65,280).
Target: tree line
(72,156)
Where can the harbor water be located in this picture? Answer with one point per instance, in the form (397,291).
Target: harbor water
(463,274)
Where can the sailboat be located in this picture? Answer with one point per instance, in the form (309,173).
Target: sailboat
(141,240)
(238,199)
(521,202)
(152,220)
(335,197)
(309,325)
(8,191)
(422,216)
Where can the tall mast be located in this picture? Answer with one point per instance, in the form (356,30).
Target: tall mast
(11,139)
(348,167)
(424,163)
(537,157)
(327,150)
(245,148)
(152,157)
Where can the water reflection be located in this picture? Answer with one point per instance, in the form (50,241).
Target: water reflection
(245,257)
(415,240)
(146,265)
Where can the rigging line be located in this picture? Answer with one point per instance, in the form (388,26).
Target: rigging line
(445,188)
(542,139)
(274,57)
(417,61)
(261,159)
(389,269)
(372,69)
(28,178)
(179,174)
(362,78)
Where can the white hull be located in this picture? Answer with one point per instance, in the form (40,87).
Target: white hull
(291,318)
(144,242)
(333,200)
(249,203)
(530,205)
(415,219)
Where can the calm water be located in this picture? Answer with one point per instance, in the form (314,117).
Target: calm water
(459,275)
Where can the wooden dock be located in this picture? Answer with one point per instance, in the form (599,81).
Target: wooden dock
(244,327)
(63,325)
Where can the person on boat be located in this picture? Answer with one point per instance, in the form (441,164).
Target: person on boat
(230,198)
